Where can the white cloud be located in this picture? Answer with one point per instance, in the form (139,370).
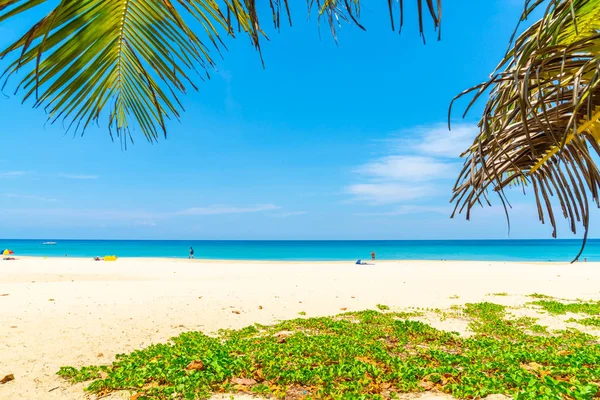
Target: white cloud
(27,197)
(91,214)
(78,176)
(409,209)
(437,140)
(134,218)
(143,215)
(146,223)
(290,214)
(421,163)
(216,210)
(406,168)
(12,174)
(387,193)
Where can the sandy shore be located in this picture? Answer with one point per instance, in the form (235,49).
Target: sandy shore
(56,312)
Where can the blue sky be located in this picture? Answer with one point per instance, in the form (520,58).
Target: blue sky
(328,141)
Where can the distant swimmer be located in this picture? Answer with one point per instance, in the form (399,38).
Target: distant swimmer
(191,253)
(373,255)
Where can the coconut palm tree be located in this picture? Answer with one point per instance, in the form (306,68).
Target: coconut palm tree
(541,125)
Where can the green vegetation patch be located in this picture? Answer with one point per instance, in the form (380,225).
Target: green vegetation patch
(359,355)
(540,296)
(559,308)
(586,321)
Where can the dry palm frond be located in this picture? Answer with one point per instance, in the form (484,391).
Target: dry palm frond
(541,125)
(133,58)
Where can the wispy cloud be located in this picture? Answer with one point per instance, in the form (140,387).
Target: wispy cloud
(131,218)
(420,162)
(28,197)
(12,174)
(146,223)
(230,104)
(409,209)
(438,141)
(84,213)
(406,168)
(17,174)
(388,193)
(289,214)
(139,216)
(216,210)
(77,176)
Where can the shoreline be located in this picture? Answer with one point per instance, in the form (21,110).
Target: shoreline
(276,261)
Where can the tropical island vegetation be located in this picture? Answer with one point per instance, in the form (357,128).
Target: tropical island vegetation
(370,354)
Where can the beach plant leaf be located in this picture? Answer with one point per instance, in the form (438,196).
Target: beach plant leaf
(129,61)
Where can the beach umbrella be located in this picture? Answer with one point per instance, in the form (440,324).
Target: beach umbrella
(7,252)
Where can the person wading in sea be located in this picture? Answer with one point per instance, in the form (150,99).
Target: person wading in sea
(373,255)
(191,253)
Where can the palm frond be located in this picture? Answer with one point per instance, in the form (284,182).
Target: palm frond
(540,127)
(134,58)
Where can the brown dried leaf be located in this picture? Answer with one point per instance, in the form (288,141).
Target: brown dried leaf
(366,360)
(532,366)
(259,373)
(195,365)
(243,381)
(282,335)
(7,378)
(427,385)
(236,312)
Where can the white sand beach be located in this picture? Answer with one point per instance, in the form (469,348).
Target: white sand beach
(67,311)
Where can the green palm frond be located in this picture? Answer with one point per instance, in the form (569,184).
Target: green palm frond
(540,127)
(132,59)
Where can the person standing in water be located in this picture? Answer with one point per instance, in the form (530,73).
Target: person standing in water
(191,253)
(373,255)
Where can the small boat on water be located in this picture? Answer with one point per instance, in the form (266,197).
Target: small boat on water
(49,243)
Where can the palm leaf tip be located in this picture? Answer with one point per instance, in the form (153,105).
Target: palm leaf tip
(130,55)
(539,130)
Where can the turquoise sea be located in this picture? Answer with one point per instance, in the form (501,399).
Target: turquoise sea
(492,250)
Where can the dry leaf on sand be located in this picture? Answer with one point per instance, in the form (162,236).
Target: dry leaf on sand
(195,365)
(243,381)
